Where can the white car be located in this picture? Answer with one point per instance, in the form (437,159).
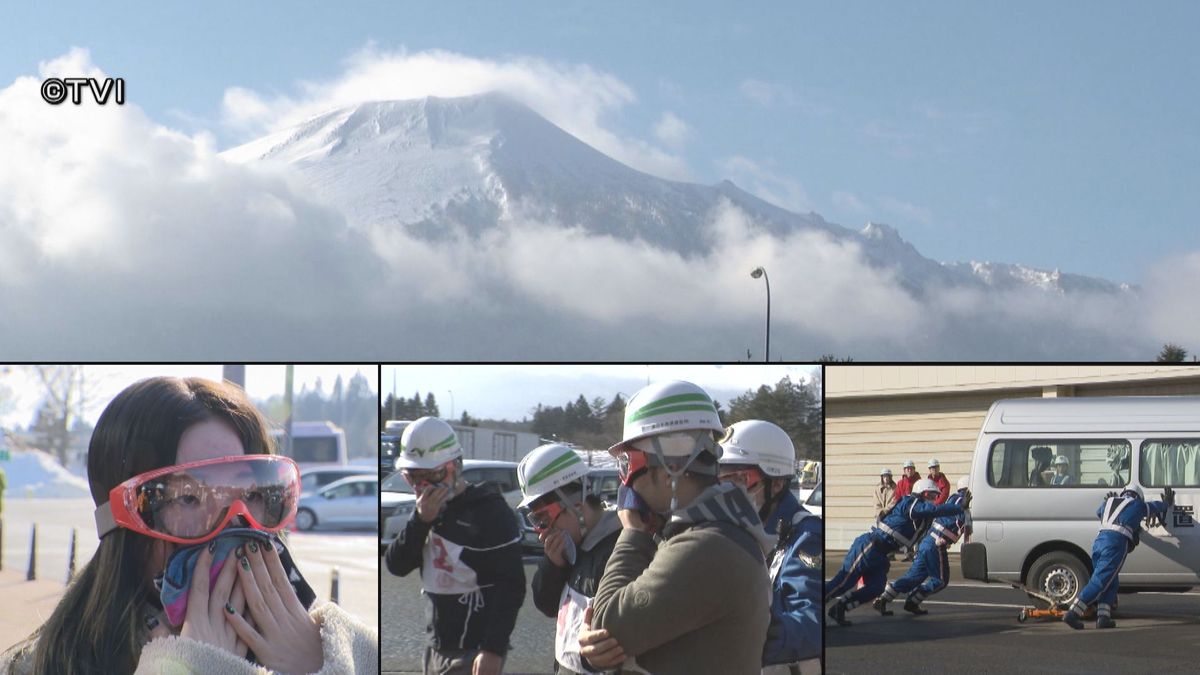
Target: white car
(397,501)
(314,478)
(350,501)
(815,502)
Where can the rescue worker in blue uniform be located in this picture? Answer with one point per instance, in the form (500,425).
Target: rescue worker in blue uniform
(868,556)
(931,571)
(1120,526)
(759,456)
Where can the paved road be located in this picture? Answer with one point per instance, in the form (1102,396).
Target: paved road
(973,627)
(316,553)
(402,632)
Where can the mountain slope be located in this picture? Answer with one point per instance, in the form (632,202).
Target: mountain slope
(440,167)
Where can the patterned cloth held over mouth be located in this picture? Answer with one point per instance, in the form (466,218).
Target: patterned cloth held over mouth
(177,580)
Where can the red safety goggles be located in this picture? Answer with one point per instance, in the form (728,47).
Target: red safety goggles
(746,478)
(630,464)
(191,503)
(420,479)
(543,518)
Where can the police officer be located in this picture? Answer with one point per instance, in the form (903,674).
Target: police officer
(1120,525)
(465,542)
(932,566)
(759,457)
(578,539)
(867,557)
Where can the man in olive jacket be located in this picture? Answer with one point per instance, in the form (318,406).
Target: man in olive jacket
(697,599)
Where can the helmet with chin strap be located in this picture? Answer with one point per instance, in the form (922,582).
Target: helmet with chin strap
(672,423)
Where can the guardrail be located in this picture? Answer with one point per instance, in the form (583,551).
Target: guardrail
(72,551)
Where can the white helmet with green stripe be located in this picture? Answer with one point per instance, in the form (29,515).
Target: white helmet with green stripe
(427,444)
(673,423)
(668,407)
(548,468)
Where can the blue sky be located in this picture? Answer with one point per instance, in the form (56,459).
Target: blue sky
(1061,136)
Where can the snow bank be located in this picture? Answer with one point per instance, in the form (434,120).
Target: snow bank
(33,473)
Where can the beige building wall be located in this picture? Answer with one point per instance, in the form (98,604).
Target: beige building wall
(879,416)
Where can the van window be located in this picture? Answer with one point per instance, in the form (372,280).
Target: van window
(1032,463)
(1171,463)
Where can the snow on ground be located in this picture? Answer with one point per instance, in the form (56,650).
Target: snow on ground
(33,473)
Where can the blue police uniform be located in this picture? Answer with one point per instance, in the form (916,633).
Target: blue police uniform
(930,572)
(867,557)
(795,631)
(1120,526)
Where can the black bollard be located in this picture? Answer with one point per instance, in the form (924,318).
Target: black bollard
(32,573)
(334,590)
(71,558)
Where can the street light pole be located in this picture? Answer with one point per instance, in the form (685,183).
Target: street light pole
(761,272)
(448,391)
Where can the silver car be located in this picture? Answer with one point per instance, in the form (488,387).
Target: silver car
(352,501)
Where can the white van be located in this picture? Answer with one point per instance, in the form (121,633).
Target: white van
(1035,514)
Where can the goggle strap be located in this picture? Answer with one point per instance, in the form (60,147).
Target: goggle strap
(105,522)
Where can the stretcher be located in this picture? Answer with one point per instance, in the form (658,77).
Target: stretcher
(1044,605)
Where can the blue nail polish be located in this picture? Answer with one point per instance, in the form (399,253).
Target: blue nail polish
(212,546)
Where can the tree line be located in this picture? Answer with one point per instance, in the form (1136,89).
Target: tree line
(597,423)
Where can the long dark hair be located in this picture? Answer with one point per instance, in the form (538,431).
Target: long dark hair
(98,626)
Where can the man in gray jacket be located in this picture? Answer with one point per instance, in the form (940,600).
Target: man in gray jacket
(686,587)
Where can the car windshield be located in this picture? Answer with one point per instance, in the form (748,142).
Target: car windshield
(396,483)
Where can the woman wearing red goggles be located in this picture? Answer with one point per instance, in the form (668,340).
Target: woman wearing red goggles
(192,503)
(172,463)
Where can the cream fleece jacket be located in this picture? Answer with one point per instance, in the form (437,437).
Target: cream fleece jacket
(349,646)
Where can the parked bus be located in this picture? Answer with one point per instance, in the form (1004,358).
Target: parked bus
(314,443)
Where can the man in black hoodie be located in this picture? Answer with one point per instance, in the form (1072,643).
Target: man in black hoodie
(465,541)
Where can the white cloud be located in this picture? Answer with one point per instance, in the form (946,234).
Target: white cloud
(671,130)
(122,238)
(774,187)
(1170,289)
(767,94)
(577,98)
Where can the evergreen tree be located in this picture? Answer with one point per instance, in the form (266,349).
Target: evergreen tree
(1172,353)
(795,408)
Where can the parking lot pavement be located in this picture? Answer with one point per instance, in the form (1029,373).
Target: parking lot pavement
(402,637)
(973,627)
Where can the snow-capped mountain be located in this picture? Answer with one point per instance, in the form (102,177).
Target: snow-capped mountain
(441,167)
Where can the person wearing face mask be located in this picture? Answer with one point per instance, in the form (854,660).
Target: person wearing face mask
(578,535)
(465,541)
(759,457)
(191,574)
(686,587)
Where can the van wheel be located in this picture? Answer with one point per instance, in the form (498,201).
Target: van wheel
(1059,575)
